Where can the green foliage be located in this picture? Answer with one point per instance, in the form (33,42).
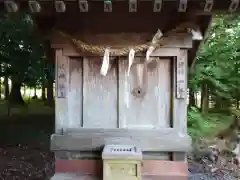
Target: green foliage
(34,107)
(218,61)
(195,120)
(217,68)
(209,124)
(23,56)
(21,48)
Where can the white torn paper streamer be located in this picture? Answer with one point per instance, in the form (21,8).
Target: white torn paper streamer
(155,39)
(196,35)
(130,60)
(105,63)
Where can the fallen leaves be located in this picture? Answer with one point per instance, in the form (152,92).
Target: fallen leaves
(215,161)
(26,163)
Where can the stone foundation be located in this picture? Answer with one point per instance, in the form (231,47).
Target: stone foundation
(92,170)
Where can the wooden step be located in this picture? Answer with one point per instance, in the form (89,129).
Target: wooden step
(72,176)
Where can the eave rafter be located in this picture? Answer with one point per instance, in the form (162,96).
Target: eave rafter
(61,6)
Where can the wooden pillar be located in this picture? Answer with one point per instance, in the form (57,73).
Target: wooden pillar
(62,79)
(179,109)
(68,92)
(180,98)
(180,92)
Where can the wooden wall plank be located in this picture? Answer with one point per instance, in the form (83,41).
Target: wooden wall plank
(94,139)
(181,91)
(151,110)
(99,96)
(61,107)
(75,93)
(180,104)
(165,52)
(76,155)
(62,75)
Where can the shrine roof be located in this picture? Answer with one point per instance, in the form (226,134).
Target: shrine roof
(132,16)
(51,6)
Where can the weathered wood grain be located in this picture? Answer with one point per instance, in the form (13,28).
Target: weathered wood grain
(181,40)
(75,93)
(181,71)
(165,52)
(62,75)
(164,140)
(61,107)
(99,95)
(93,101)
(76,155)
(180,105)
(152,110)
(73,176)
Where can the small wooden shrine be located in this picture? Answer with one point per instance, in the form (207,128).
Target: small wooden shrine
(121,78)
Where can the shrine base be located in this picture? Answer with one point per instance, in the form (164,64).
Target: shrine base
(92,170)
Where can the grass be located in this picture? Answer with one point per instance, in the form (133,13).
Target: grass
(35,107)
(31,124)
(207,125)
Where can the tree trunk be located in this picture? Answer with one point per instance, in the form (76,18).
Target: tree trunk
(204,98)
(43,91)
(1,68)
(35,93)
(50,73)
(226,104)
(237,103)
(237,99)
(218,102)
(15,96)
(0,89)
(192,101)
(6,87)
(24,90)
(50,92)
(50,85)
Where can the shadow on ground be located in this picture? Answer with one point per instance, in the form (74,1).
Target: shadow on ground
(24,147)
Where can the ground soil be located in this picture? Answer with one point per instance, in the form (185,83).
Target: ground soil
(24,148)
(22,162)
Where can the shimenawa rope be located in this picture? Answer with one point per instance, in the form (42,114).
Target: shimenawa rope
(99,50)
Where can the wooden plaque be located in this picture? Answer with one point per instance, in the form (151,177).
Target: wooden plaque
(61,77)
(181,76)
